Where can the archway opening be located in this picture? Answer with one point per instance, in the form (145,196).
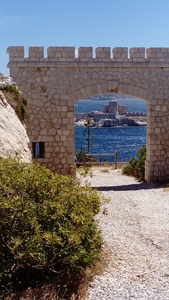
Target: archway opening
(118,125)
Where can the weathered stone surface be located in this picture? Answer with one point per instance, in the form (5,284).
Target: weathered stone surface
(14,141)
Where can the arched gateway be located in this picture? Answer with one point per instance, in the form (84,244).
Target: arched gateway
(51,85)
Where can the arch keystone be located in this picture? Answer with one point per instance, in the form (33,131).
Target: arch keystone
(113,86)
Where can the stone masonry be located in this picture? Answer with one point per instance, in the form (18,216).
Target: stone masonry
(52,84)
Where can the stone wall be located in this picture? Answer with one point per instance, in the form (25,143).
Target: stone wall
(51,85)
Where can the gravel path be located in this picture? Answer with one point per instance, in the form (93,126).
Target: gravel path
(136,232)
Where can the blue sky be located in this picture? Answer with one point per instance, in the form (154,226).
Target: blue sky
(94,23)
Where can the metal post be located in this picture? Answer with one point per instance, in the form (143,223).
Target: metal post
(115,160)
(84,160)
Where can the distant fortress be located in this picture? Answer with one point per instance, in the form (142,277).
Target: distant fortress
(113,114)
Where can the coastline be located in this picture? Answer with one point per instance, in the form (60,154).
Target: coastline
(124,121)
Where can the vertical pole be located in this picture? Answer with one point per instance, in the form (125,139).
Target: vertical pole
(84,160)
(115,160)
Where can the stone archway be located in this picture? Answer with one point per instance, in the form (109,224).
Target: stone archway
(52,84)
(128,90)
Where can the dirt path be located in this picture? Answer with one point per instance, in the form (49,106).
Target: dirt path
(136,232)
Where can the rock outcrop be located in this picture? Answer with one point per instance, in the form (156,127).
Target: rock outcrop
(14,141)
(133,121)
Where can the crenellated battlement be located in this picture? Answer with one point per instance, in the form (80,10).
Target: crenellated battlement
(59,55)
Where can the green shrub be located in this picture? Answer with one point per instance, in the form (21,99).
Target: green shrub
(88,134)
(16,100)
(81,158)
(47,227)
(136,166)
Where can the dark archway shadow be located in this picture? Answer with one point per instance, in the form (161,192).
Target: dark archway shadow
(130,187)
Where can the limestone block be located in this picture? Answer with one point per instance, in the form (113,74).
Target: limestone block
(49,138)
(63,161)
(157,130)
(164,108)
(61,52)
(85,53)
(120,53)
(49,149)
(84,93)
(64,108)
(36,53)
(161,126)
(63,138)
(16,53)
(103,53)
(113,85)
(78,95)
(137,54)
(65,121)
(157,108)
(51,131)
(156,54)
(43,132)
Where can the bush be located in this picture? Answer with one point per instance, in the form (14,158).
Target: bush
(82,159)
(136,166)
(47,227)
(17,101)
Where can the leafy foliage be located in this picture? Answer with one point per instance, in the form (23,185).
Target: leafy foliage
(47,227)
(17,101)
(136,166)
(88,134)
(81,158)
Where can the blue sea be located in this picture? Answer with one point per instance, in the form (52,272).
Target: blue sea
(126,141)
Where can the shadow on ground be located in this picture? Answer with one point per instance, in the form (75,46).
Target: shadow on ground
(129,187)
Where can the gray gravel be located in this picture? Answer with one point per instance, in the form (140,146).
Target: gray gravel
(136,232)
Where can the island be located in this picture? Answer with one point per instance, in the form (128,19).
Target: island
(112,114)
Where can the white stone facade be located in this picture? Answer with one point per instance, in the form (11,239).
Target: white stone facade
(113,107)
(51,85)
(122,109)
